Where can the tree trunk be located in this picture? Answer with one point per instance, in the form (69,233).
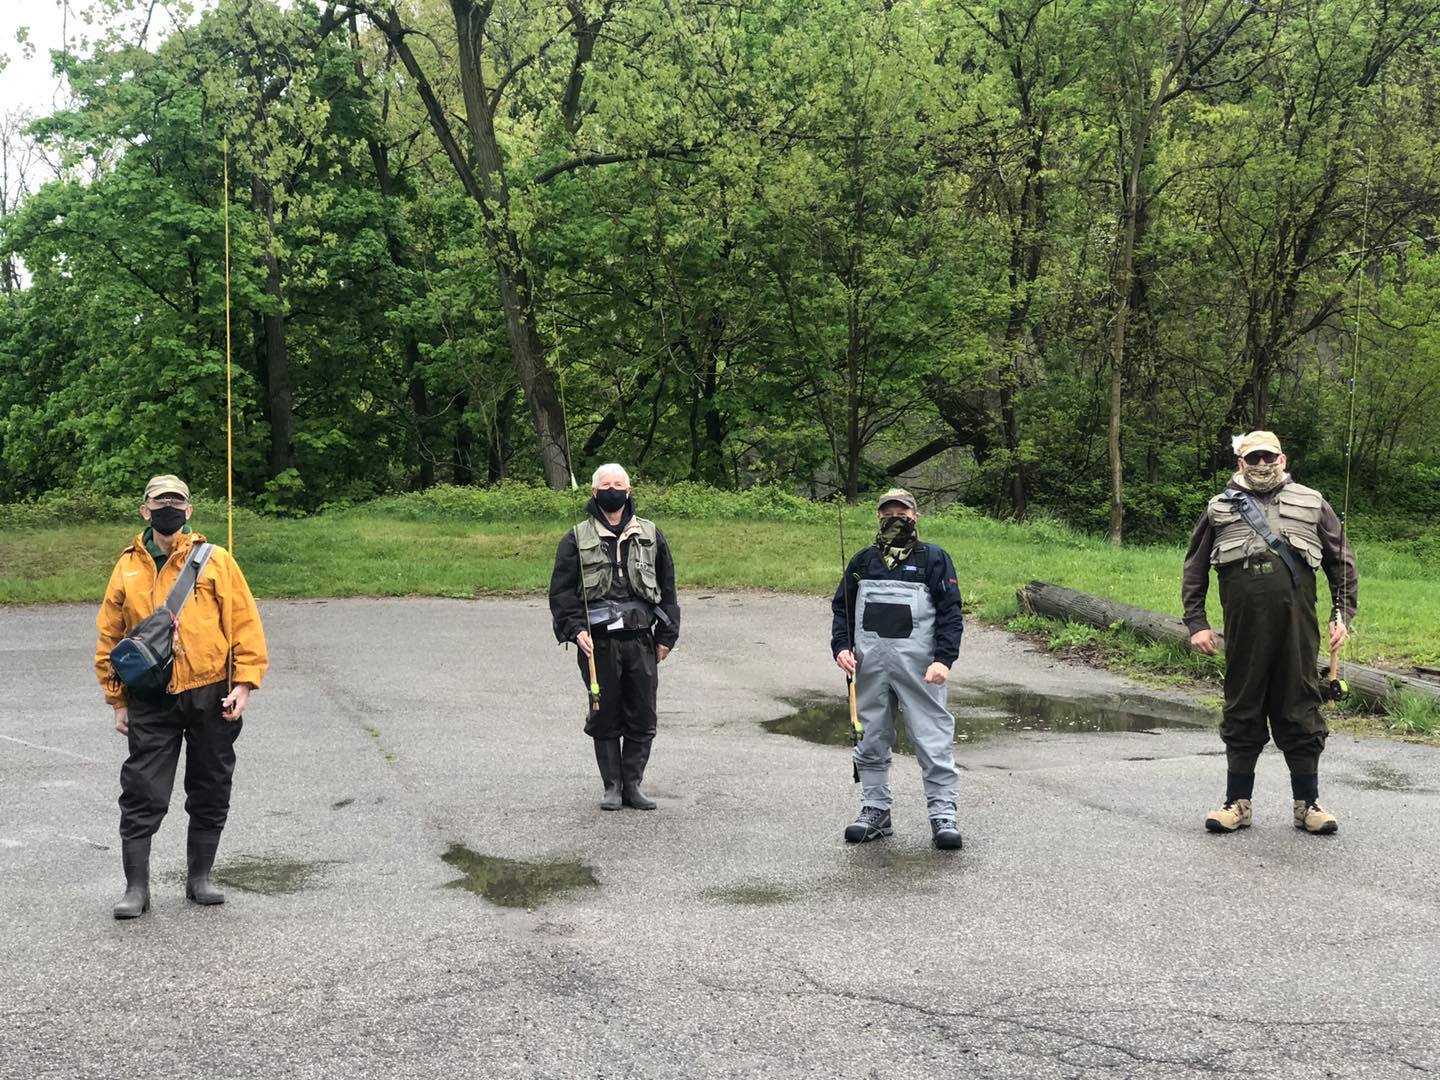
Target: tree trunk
(1372,685)
(462,468)
(500,442)
(516,297)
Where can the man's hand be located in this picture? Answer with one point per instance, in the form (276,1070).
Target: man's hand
(1205,641)
(122,719)
(1339,634)
(936,674)
(845,661)
(661,651)
(587,646)
(233,707)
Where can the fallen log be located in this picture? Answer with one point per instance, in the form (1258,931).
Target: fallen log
(1373,686)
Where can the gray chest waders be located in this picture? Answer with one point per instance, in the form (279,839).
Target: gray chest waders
(894,645)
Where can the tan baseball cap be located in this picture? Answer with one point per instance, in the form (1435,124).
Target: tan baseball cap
(1256,440)
(166,484)
(898,495)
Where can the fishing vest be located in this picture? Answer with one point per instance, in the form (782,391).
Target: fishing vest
(1293,514)
(597,573)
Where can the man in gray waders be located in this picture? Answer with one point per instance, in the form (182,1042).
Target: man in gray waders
(612,593)
(1266,536)
(896,627)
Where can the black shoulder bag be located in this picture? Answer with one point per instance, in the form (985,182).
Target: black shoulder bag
(145,657)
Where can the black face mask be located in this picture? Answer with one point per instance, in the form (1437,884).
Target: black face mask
(168,520)
(611,499)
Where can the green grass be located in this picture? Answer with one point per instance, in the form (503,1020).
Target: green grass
(454,547)
(1410,714)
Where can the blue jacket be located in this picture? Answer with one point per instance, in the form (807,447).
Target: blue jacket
(927,563)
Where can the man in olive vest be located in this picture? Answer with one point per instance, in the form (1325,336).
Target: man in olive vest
(613,594)
(1266,536)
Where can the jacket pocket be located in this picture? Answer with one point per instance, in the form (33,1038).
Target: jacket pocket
(888,620)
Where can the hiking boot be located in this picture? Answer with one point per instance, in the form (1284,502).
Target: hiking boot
(135,857)
(872,824)
(200,848)
(1233,815)
(944,835)
(1314,818)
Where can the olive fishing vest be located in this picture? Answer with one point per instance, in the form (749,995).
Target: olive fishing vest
(598,573)
(1293,515)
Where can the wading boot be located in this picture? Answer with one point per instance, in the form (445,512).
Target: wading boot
(1235,814)
(944,834)
(1314,818)
(872,824)
(634,756)
(135,856)
(200,851)
(607,756)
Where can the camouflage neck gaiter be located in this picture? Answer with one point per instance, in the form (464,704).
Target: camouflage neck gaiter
(1262,479)
(895,540)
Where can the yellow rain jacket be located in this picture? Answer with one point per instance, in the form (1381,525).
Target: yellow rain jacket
(219,618)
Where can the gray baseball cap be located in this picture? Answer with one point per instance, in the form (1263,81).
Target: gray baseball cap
(898,495)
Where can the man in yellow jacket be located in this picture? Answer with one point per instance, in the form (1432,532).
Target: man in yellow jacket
(219,658)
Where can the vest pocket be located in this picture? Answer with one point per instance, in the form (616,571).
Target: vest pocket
(888,620)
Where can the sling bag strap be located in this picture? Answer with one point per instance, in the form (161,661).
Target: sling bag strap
(1255,518)
(185,583)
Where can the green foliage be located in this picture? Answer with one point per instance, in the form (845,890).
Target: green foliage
(787,249)
(1409,713)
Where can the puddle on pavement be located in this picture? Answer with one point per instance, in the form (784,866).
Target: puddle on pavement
(753,894)
(1384,778)
(1002,710)
(513,883)
(270,877)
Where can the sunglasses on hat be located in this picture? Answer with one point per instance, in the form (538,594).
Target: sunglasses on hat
(1261,457)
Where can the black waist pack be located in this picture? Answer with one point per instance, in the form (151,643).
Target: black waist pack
(145,657)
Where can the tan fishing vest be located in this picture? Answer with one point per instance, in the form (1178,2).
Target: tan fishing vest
(1293,514)
(598,574)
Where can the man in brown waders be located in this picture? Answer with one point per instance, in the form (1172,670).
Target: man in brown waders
(1266,536)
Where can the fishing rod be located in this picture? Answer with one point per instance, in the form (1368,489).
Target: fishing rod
(1338,688)
(229,406)
(855,729)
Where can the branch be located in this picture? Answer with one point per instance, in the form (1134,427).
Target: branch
(667,153)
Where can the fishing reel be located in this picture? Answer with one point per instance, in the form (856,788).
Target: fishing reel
(1334,690)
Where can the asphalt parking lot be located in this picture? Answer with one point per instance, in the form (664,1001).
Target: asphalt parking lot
(421,884)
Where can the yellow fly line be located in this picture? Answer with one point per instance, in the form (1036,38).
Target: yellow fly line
(229,410)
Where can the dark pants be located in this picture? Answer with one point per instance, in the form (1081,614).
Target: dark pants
(625,669)
(148,775)
(1271,641)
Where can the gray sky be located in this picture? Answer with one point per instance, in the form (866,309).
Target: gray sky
(27,82)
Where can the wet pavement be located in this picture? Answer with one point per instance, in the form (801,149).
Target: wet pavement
(420,881)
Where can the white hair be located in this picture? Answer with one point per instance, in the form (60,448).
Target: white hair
(610,467)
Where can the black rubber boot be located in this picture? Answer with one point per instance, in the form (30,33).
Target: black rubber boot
(200,851)
(135,856)
(634,756)
(607,756)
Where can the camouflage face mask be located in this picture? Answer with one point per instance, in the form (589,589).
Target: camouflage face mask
(895,540)
(1262,478)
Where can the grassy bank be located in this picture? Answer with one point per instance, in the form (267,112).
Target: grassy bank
(459,542)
